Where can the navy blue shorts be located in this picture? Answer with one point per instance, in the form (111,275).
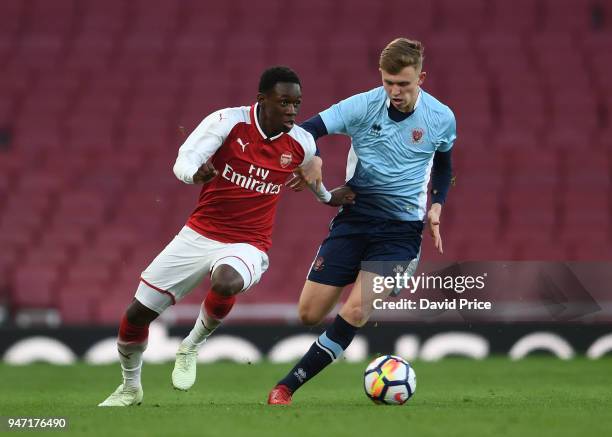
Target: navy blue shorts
(355,238)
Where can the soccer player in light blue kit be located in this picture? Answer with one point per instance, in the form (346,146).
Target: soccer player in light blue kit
(400,134)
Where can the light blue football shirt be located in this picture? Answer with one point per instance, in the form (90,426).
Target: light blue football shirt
(390,162)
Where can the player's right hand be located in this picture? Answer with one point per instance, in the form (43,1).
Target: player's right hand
(433,222)
(342,196)
(205,173)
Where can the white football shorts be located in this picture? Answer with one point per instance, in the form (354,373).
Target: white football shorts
(184,262)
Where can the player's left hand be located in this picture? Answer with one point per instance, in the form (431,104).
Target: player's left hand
(433,222)
(306,175)
(342,196)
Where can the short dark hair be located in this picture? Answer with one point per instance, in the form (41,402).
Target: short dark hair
(274,75)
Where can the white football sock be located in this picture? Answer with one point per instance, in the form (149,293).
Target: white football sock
(130,356)
(204,326)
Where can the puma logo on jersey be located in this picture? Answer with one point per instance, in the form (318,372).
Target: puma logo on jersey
(243,145)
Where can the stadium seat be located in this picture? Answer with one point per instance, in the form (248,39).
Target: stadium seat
(536,251)
(5,184)
(110,308)
(568,15)
(346,51)
(319,14)
(215,17)
(74,308)
(140,52)
(9,259)
(107,19)
(394,25)
(67,237)
(365,15)
(57,256)
(34,286)
(16,238)
(468,14)
(518,17)
(486,248)
(244,49)
(569,137)
(12,15)
(7,108)
(592,218)
(14,222)
(516,139)
(48,135)
(160,17)
(526,110)
(39,51)
(89,270)
(92,51)
(590,171)
(601,251)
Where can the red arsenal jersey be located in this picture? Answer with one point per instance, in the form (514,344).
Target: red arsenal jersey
(239,205)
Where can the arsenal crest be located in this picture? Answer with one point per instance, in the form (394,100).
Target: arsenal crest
(417,135)
(285,159)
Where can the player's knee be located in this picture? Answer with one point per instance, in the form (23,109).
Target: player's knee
(309,317)
(354,315)
(226,281)
(139,315)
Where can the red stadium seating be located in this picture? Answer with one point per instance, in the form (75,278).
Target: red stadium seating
(35,285)
(520,15)
(319,14)
(10,19)
(467,14)
(75,308)
(568,15)
(96,96)
(110,308)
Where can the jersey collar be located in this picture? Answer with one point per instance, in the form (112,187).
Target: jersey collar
(397,115)
(255,123)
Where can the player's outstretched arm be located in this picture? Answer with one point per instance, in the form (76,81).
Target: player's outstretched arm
(433,222)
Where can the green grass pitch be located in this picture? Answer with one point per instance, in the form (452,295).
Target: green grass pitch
(539,396)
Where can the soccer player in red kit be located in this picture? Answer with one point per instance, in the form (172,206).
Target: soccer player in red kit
(242,156)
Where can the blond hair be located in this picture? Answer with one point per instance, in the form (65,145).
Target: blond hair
(401,53)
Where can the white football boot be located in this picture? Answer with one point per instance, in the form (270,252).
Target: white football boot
(123,397)
(184,373)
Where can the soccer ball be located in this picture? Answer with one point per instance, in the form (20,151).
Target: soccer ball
(389,380)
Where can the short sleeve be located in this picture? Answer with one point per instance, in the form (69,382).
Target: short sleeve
(448,133)
(306,142)
(339,118)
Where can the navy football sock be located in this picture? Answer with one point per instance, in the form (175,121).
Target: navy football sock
(323,351)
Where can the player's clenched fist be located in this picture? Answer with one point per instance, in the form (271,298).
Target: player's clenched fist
(205,173)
